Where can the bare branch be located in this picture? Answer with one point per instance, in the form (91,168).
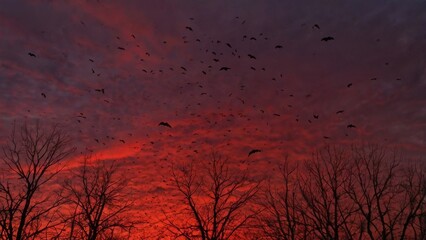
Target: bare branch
(31,157)
(99,202)
(216,200)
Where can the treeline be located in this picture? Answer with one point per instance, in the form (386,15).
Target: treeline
(365,192)
(89,203)
(357,192)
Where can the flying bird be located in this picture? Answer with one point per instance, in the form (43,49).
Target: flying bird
(278,46)
(326,39)
(349,85)
(43,94)
(31,54)
(189,28)
(316,26)
(351,126)
(166,124)
(340,111)
(251,56)
(316,116)
(254,151)
(100,90)
(224,68)
(121,48)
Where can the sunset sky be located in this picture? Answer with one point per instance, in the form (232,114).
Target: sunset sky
(111,71)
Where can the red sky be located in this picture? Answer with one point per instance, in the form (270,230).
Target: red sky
(378,48)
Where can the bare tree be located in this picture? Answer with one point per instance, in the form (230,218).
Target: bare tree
(280,218)
(413,204)
(217,200)
(31,159)
(419,223)
(388,197)
(99,202)
(363,192)
(326,210)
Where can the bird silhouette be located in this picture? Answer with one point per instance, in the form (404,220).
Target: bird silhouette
(189,28)
(251,56)
(100,90)
(351,126)
(316,116)
(31,54)
(254,151)
(326,39)
(349,85)
(44,95)
(278,46)
(340,111)
(224,69)
(316,26)
(121,48)
(166,124)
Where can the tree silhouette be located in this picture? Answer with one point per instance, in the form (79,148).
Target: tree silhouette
(388,197)
(99,200)
(31,159)
(363,192)
(325,207)
(280,217)
(216,198)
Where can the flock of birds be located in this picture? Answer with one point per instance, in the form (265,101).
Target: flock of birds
(213,59)
(216,59)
